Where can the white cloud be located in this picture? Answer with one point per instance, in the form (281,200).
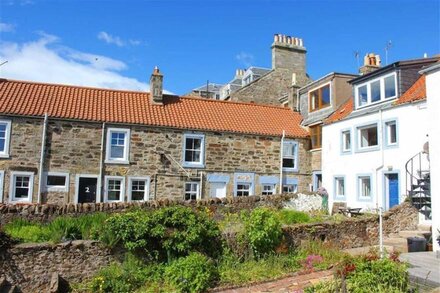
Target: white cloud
(109,39)
(6,27)
(245,58)
(46,60)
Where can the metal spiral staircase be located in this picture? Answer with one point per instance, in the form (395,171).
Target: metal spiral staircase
(419,184)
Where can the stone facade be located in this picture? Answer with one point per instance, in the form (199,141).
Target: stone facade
(31,266)
(74,147)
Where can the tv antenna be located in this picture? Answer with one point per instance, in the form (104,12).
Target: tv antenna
(387,48)
(356,55)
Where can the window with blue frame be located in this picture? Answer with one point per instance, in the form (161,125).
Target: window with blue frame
(364,185)
(290,156)
(5,131)
(391,133)
(346,141)
(193,150)
(339,187)
(367,136)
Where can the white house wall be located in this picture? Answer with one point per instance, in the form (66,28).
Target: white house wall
(433,94)
(411,132)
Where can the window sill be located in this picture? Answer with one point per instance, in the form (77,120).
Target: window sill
(111,201)
(368,149)
(348,152)
(5,156)
(365,199)
(55,189)
(193,165)
(292,170)
(15,201)
(316,150)
(117,162)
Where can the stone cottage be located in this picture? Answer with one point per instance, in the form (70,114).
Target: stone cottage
(70,144)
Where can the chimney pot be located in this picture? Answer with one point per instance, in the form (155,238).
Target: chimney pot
(156,87)
(371,63)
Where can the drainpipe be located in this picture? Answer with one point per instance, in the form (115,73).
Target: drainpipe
(101,164)
(201,185)
(281,162)
(43,149)
(380,208)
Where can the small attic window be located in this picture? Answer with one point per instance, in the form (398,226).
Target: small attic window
(319,98)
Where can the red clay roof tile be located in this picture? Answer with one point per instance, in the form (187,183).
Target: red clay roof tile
(415,93)
(115,106)
(341,113)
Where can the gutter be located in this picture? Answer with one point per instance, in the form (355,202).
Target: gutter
(43,150)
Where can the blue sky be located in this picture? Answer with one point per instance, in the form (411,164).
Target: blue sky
(117,43)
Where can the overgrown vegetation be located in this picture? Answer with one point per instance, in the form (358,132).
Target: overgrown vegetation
(60,229)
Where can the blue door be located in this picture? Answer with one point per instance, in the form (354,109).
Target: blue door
(393,190)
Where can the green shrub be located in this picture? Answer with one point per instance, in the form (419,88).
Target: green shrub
(166,233)
(126,277)
(290,217)
(194,273)
(60,229)
(263,231)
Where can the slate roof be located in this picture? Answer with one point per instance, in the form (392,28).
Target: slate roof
(23,98)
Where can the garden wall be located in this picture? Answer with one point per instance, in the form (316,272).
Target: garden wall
(355,232)
(30,266)
(46,212)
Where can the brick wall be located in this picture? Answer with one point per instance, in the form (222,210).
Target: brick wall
(74,148)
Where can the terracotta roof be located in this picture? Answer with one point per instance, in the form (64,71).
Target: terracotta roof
(415,93)
(128,107)
(341,113)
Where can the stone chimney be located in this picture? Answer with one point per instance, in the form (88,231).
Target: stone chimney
(239,73)
(289,53)
(371,63)
(156,87)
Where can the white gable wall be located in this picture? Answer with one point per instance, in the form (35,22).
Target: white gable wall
(412,125)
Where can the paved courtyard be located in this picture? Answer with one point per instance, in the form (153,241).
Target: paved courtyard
(424,267)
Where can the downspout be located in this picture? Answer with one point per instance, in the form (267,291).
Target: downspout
(201,186)
(380,208)
(43,150)
(101,164)
(281,162)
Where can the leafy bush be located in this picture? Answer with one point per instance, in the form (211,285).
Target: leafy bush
(60,229)
(166,233)
(290,217)
(194,273)
(263,231)
(126,277)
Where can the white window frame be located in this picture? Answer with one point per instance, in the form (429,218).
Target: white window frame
(294,156)
(344,134)
(147,188)
(382,90)
(243,183)
(5,152)
(271,186)
(201,162)
(125,159)
(294,187)
(339,195)
(387,133)
(12,198)
(197,191)
(56,188)
(122,194)
(360,195)
(2,183)
(359,137)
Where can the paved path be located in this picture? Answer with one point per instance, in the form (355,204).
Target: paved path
(424,267)
(289,284)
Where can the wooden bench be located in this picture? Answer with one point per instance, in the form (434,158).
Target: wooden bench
(350,212)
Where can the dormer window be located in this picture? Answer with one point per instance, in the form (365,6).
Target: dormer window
(319,98)
(376,90)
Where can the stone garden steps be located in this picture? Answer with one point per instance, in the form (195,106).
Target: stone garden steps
(415,233)
(397,243)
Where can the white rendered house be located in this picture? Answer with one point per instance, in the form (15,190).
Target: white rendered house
(371,141)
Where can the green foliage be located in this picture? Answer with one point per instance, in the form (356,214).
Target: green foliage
(263,231)
(60,229)
(166,233)
(126,277)
(235,271)
(193,273)
(290,217)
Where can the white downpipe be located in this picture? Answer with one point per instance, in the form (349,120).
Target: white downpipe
(101,164)
(281,162)
(43,148)
(380,208)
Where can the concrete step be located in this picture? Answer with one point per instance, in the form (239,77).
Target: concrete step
(397,243)
(414,233)
(366,249)
(424,227)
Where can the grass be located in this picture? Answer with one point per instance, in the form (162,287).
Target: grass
(60,229)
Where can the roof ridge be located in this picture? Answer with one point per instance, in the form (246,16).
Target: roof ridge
(75,86)
(235,102)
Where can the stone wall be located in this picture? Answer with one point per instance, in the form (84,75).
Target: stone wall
(74,148)
(30,266)
(355,232)
(47,212)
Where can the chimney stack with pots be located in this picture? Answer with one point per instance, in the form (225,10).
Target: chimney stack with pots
(371,63)
(156,87)
(288,53)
